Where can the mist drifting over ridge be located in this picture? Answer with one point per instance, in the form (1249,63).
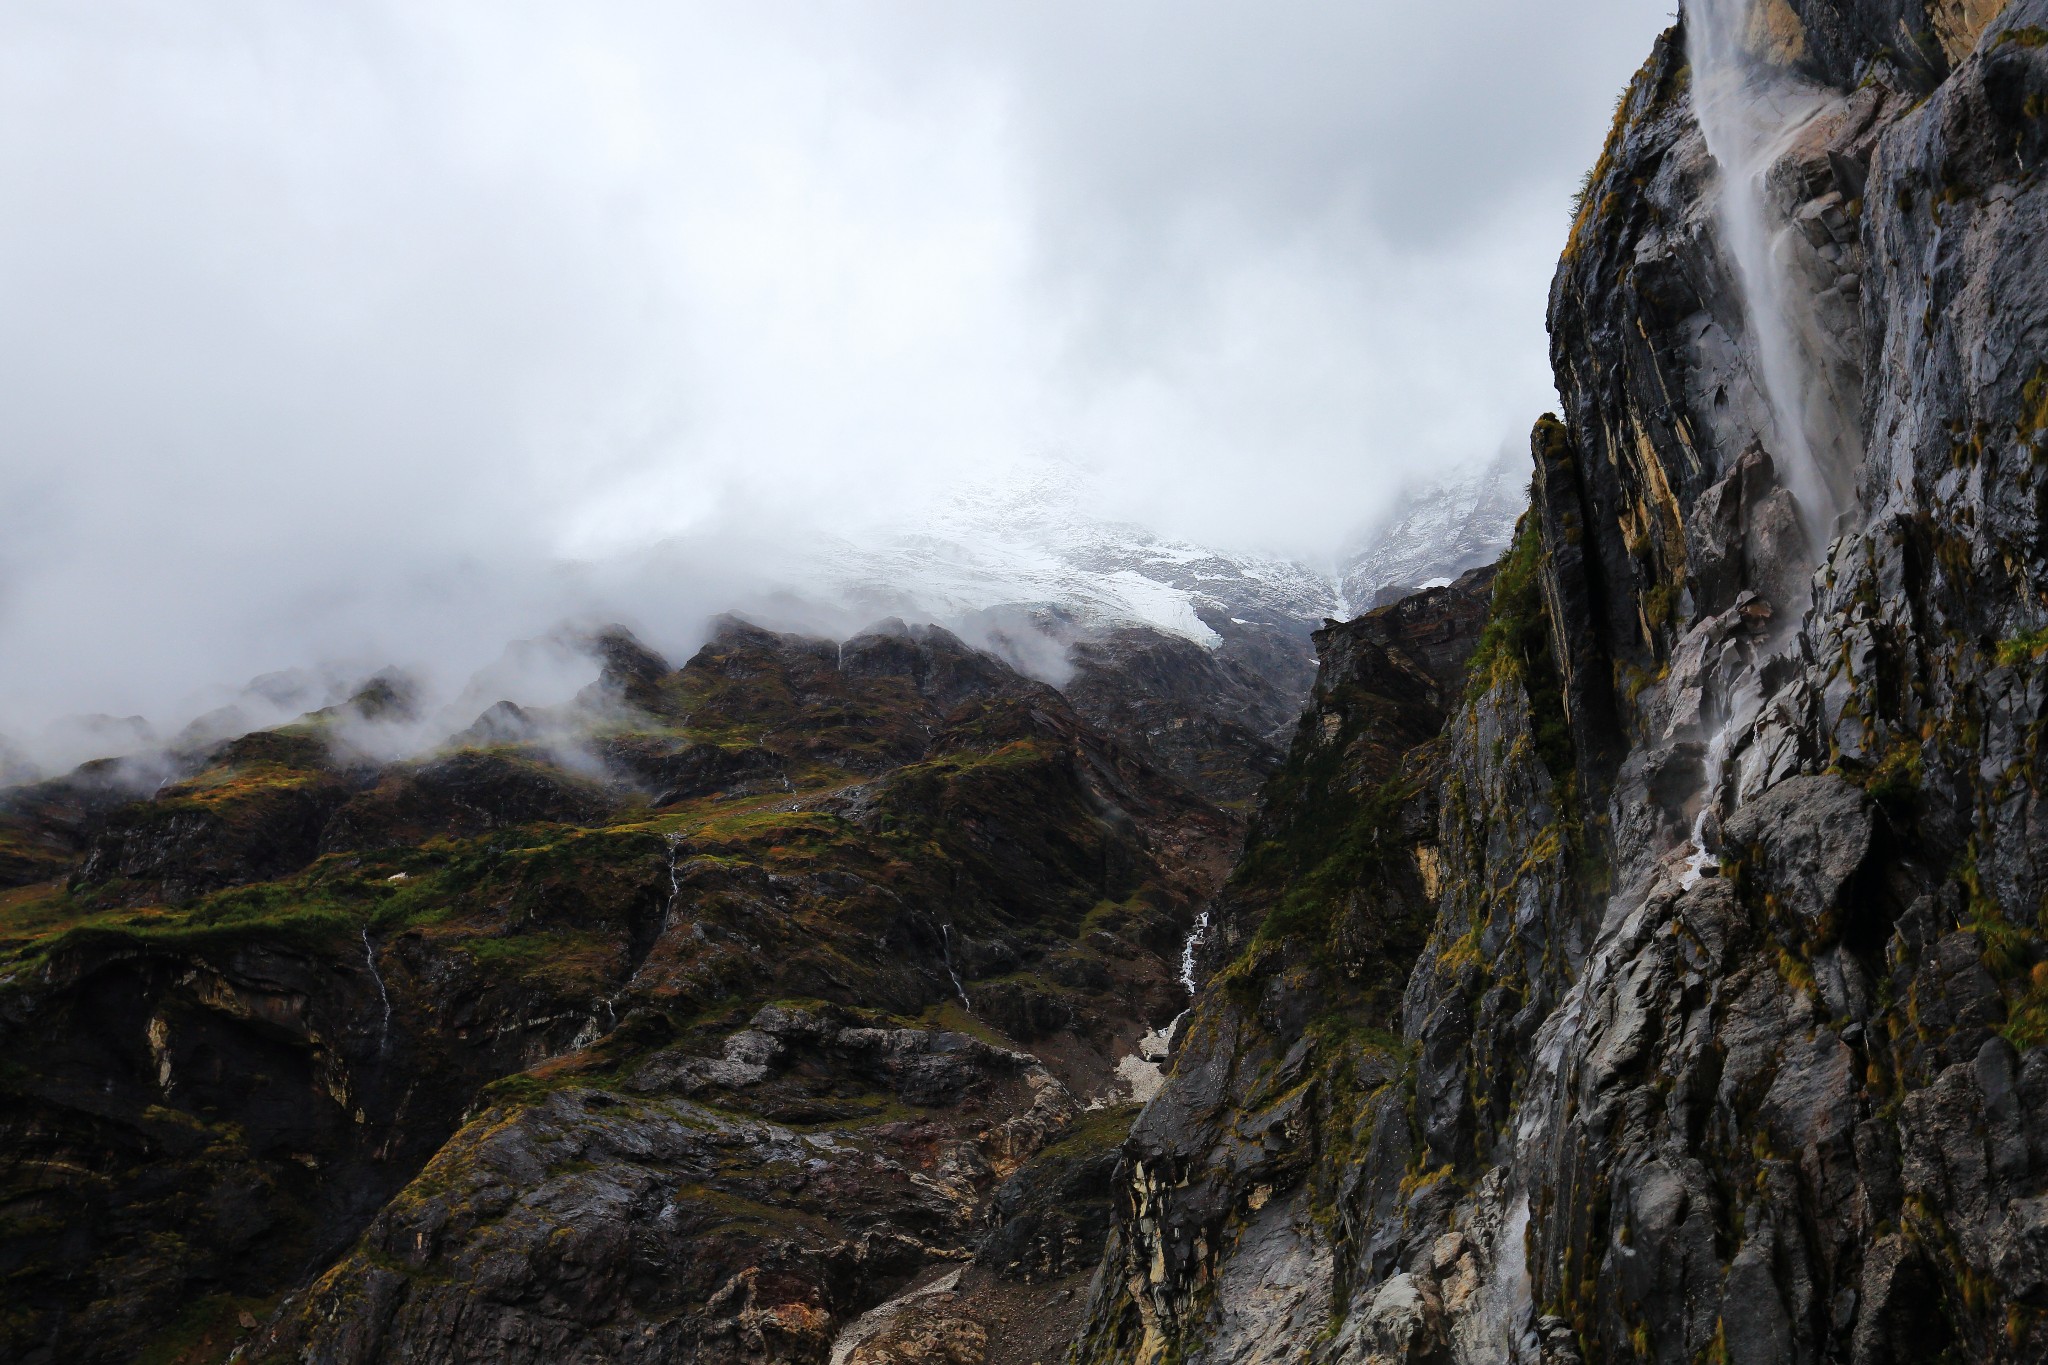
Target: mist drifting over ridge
(337,341)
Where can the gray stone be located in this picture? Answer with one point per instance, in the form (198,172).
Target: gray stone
(1808,838)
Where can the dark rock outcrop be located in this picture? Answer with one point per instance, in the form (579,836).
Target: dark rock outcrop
(694,1034)
(460,796)
(1200,714)
(255,812)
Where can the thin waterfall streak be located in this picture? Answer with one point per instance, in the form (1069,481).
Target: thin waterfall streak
(383,995)
(1750,113)
(946,947)
(675,884)
(1196,936)
(1509,1308)
(1705,832)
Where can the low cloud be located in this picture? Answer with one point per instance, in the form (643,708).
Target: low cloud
(337,338)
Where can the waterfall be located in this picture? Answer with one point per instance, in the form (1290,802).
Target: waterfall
(1750,112)
(1188,949)
(946,945)
(675,884)
(595,1027)
(1508,1304)
(1705,833)
(383,995)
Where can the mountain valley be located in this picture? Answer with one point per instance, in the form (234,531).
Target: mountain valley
(1625,937)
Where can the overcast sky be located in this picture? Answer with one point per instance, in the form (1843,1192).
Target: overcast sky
(339,330)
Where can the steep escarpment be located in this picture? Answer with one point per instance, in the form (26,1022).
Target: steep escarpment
(1724,1040)
(1275,1170)
(693,1040)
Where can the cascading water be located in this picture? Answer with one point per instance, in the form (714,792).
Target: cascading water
(1504,1323)
(675,882)
(1193,945)
(1198,932)
(604,1011)
(1701,859)
(1750,112)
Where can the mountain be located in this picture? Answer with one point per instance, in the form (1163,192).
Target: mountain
(1035,544)
(1200,657)
(1649,963)
(1434,533)
(692,1040)
(1630,950)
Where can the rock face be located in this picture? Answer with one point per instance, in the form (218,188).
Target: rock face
(1727,1037)
(1638,952)
(694,1043)
(1210,717)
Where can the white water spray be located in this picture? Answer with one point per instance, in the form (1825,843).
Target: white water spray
(604,1012)
(1750,112)
(1700,860)
(1510,1300)
(1188,949)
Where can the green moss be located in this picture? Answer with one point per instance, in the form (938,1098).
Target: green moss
(1794,972)
(2022,37)
(1894,779)
(1330,856)
(1461,952)
(1516,645)
(307,927)
(1659,603)
(2033,418)
(2026,1018)
(221,788)
(949,1015)
(1095,1132)
(570,953)
(1596,174)
(2024,648)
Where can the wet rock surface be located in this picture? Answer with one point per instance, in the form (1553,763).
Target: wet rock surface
(1727,1041)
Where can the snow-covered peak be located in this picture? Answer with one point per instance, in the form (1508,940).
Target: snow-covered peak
(1036,543)
(1034,547)
(1433,533)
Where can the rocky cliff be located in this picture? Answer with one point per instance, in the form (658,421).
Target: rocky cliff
(696,1039)
(1637,953)
(1675,987)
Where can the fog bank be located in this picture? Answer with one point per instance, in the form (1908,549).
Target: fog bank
(337,338)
